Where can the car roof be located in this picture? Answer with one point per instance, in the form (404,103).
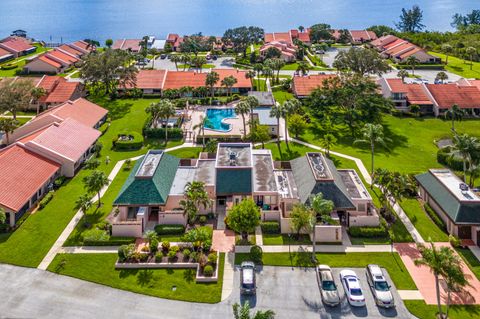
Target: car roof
(324,267)
(326,275)
(248,275)
(353,282)
(375,270)
(247,264)
(348,272)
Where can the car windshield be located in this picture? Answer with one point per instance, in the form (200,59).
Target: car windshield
(248,286)
(381,286)
(356,292)
(328,285)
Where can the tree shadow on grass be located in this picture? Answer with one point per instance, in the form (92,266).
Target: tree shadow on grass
(118,110)
(189,275)
(144,277)
(124,273)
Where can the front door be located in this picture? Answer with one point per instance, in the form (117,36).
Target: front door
(465,232)
(153,216)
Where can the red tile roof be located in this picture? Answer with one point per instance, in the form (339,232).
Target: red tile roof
(475,83)
(240,75)
(63,92)
(68,59)
(410,52)
(71,139)
(414,92)
(23,173)
(383,41)
(394,43)
(172,37)
(362,35)
(81,110)
(304,36)
(150,79)
(47,60)
(71,50)
(127,44)
(278,36)
(4,53)
(48,82)
(304,85)
(446,95)
(178,79)
(83,45)
(401,48)
(17,44)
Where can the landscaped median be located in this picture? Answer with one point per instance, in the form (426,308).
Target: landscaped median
(177,284)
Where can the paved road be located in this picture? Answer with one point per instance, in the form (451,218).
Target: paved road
(166,64)
(291,293)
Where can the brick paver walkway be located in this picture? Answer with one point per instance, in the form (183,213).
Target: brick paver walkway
(223,240)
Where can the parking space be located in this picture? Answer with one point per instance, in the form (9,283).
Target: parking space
(224,62)
(294,293)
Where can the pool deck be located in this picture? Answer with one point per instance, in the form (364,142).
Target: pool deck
(236,125)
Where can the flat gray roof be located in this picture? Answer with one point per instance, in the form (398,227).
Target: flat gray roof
(264,98)
(354,184)
(182,177)
(264,117)
(149,164)
(234,155)
(205,172)
(286,184)
(319,166)
(263,178)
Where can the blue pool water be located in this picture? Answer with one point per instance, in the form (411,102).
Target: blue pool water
(216,117)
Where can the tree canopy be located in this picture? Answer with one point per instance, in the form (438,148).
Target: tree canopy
(362,61)
(244,217)
(240,38)
(411,20)
(320,32)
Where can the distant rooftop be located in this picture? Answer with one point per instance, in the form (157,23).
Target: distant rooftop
(149,164)
(264,98)
(286,183)
(353,183)
(264,179)
(234,155)
(183,176)
(455,185)
(205,172)
(319,167)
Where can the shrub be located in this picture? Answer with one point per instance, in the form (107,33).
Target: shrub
(270,227)
(113,241)
(153,246)
(186,253)
(212,258)
(158,257)
(165,245)
(136,141)
(95,234)
(169,229)
(4,228)
(174,248)
(59,181)
(194,256)
(453,162)
(125,252)
(8,66)
(435,218)
(202,220)
(159,132)
(207,245)
(367,232)
(45,201)
(256,254)
(145,249)
(454,241)
(202,260)
(208,271)
(172,253)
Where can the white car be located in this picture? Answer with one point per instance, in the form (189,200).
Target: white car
(352,287)
(379,286)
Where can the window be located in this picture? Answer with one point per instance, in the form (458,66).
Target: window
(361,207)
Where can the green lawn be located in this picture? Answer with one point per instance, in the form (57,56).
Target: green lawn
(283,153)
(99,268)
(284,239)
(472,262)
(290,66)
(32,240)
(412,147)
(422,222)
(20,62)
(423,311)
(260,84)
(460,67)
(281,95)
(187,152)
(187,67)
(392,262)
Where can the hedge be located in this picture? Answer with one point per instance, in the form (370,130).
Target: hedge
(453,162)
(135,143)
(368,232)
(9,66)
(113,241)
(173,133)
(169,229)
(45,201)
(270,227)
(436,219)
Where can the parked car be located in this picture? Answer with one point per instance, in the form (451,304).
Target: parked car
(320,52)
(328,289)
(163,56)
(379,286)
(214,57)
(247,278)
(352,287)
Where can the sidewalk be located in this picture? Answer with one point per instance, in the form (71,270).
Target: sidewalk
(319,248)
(228,274)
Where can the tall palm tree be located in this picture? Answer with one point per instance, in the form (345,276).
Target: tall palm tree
(301,28)
(453,275)
(441,76)
(185,59)
(37,93)
(303,68)
(195,196)
(204,121)
(8,125)
(83,203)
(372,134)
(277,112)
(258,68)
(402,74)
(471,51)
(243,108)
(228,82)
(447,49)
(465,146)
(154,110)
(412,61)
(455,114)
(243,312)
(94,183)
(166,111)
(321,208)
(251,76)
(253,103)
(211,80)
(327,141)
(175,58)
(290,107)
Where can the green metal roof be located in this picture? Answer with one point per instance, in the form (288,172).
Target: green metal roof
(459,212)
(307,184)
(232,181)
(149,191)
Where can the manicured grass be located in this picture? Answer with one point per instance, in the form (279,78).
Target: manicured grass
(472,262)
(186,152)
(28,245)
(392,262)
(370,241)
(423,311)
(283,239)
(20,62)
(459,66)
(281,95)
(422,222)
(290,66)
(99,268)
(411,148)
(260,85)
(283,153)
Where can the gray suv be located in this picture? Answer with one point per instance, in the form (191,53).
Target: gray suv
(379,286)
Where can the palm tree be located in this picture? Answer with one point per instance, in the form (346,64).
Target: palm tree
(198,62)
(175,58)
(37,93)
(434,259)
(471,51)
(276,112)
(154,110)
(195,196)
(166,110)
(447,49)
(327,141)
(301,28)
(228,82)
(8,125)
(186,90)
(258,68)
(290,107)
(268,73)
(402,74)
(321,208)
(453,275)
(243,312)
(303,68)
(211,80)
(412,61)
(441,76)
(201,125)
(455,114)
(185,59)
(83,203)
(94,183)
(251,75)
(372,134)
(465,146)
(253,103)
(243,108)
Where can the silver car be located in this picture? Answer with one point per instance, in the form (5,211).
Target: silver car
(247,278)
(328,289)
(379,286)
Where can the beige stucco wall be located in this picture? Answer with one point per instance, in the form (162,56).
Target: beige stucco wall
(327,233)
(363,220)
(169,218)
(38,66)
(133,229)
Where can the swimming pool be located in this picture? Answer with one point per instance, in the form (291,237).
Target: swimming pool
(215,119)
